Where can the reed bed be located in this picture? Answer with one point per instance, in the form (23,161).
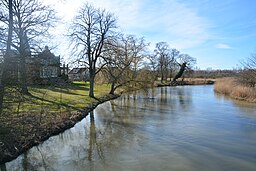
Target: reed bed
(231,87)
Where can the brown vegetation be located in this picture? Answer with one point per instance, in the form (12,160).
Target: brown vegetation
(233,88)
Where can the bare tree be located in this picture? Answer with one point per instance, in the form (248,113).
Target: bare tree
(89,32)
(184,61)
(125,57)
(136,49)
(248,75)
(8,50)
(153,64)
(163,54)
(117,65)
(31,21)
(173,56)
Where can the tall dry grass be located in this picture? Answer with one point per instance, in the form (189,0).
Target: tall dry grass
(234,89)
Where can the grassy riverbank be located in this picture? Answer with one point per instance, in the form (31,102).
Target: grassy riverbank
(231,87)
(28,120)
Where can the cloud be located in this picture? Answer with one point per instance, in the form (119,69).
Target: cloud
(164,20)
(223,46)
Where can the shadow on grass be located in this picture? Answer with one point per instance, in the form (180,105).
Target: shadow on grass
(66,88)
(78,86)
(56,103)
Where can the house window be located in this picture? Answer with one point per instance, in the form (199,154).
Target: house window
(48,72)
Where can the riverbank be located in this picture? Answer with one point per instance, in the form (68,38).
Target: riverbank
(232,88)
(186,81)
(40,118)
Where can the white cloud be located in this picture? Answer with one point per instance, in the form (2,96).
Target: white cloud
(164,20)
(223,46)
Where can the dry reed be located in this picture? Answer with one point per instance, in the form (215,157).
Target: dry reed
(234,89)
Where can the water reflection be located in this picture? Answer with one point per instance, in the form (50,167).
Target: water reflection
(3,167)
(181,128)
(246,108)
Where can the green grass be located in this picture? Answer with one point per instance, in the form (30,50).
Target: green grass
(28,118)
(68,97)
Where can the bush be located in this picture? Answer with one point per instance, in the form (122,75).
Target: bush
(248,75)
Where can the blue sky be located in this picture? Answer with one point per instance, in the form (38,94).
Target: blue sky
(219,33)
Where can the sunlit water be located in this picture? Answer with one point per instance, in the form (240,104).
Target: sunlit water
(171,128)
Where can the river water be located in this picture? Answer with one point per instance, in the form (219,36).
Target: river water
(186,128)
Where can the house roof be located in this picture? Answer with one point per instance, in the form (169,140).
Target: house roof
(48,58)
(77,70)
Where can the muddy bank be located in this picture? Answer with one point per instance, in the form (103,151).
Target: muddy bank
(14,142)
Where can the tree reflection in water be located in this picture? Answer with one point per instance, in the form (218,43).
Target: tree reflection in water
(3,167)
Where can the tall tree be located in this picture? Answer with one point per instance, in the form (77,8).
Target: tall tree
(163,54)
(125,56)
(89,32)
(153,64)
(173,56)
(31,21)
(117,65)
(8,51)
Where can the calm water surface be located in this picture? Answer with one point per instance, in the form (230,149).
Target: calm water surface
(170,128)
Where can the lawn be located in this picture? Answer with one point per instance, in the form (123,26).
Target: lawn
(47,105)
(27,120)
(73,96)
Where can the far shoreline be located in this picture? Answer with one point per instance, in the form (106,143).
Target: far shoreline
(187,81)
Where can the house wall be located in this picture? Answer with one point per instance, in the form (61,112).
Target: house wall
(39,69)
(80,76)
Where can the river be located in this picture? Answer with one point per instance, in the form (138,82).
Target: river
(187,128)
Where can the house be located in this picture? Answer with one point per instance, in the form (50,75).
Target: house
(79,74)
(49,64)
(41,68)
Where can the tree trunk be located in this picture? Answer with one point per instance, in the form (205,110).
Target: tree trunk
(6,56)
(3,167)
(92,77)
(112,91)
(171,74)
(179,74)
(162,77)
(24,88)
(91,90)
(1,97)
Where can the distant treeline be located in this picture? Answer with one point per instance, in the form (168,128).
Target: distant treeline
(212,73)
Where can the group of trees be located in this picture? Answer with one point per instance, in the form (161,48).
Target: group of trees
(122,58)
(165,62)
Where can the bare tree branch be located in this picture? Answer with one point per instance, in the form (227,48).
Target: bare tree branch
(88,33)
